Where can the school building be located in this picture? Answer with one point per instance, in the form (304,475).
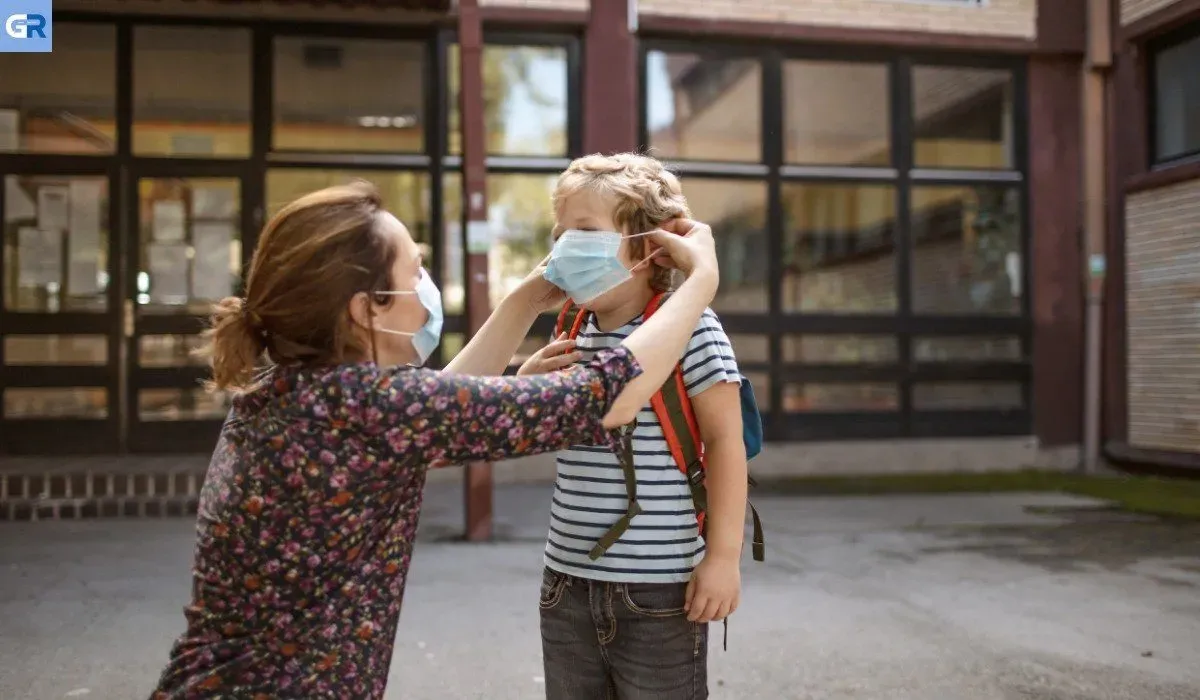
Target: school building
(897,188)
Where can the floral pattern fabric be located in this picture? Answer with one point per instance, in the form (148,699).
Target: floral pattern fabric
(309,511)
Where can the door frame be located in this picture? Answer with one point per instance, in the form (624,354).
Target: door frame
(25,436)
(185,435)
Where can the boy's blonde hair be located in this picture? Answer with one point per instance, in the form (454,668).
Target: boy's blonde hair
(645,195)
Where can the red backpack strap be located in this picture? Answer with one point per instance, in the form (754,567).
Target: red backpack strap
(674,411)
(570,319)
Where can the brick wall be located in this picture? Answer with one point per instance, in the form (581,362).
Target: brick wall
(1163,312)
(1015,18)
(1133,10)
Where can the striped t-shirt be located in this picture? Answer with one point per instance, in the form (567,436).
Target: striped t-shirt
(662,544)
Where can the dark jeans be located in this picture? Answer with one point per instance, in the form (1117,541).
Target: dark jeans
(624,641)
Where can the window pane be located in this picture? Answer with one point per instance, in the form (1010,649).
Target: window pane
(521,217)
(848,124)
(56,350)
(170,351)
(64,101)
(353,95)
(191,243)
(405,194)
(967,349)
(1177,100)
(839,349)
(736,210)
(524,100)
(966,250)
(76,402)
(191,91)
(751,348)
(801,398)
(839,248)
(704,108)
(181,404)
(963,117)
(967,395)
(55,243)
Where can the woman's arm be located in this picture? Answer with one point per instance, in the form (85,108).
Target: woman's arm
(491,349)
(439,418)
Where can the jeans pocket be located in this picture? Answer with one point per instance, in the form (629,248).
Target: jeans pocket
(655,599)
(553,585)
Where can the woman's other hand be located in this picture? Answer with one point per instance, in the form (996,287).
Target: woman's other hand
(559,354)
(540,295)
(685,245)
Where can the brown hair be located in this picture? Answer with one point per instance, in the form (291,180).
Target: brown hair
(312,258)
(646,195)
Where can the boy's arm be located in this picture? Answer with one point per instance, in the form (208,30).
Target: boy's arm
(712,378)
(719,415)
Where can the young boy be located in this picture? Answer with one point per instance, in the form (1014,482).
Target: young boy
(633,623)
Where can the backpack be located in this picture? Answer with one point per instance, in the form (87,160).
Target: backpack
(674,411)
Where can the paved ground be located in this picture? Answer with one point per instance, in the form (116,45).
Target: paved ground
(898,598)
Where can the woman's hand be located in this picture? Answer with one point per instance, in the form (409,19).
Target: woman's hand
(685,245)
(540,295)
(559,354)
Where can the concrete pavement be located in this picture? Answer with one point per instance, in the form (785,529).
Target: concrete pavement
(1000,597)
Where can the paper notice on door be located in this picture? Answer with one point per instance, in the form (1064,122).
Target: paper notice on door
(214,203)
(18,206)
(168,264)
(53,207)
(212,277)
(39,257)
(10,130)
(83,238)
(168,221)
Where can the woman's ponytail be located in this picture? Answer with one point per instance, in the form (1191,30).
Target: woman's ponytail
(234,345)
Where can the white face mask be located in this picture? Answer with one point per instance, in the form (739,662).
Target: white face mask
(424,340)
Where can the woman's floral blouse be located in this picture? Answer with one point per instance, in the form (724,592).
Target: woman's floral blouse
(310,506)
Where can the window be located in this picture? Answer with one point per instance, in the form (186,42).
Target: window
(737,212)
(56,252)
(524,100)
(870,225)
(349,95)
(532,129)
(962,117)
(966,256)
(1176,100)
(837,113)
(64,101)
(191,91)
(839,248)
(701,108)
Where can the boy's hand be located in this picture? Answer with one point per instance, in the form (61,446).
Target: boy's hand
(559,354)
(715,590)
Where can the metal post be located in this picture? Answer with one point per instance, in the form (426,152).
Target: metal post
(477,480)
(1097,64)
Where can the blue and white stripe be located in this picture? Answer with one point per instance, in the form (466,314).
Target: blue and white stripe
(662,544)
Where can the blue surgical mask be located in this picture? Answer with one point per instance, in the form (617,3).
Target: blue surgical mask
(425,340)
(585,264)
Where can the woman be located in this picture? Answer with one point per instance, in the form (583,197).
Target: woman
(310,506)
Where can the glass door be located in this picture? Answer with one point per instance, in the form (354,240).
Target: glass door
(188,251)
(58,347)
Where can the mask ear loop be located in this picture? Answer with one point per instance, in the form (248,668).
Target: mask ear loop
(646,259)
